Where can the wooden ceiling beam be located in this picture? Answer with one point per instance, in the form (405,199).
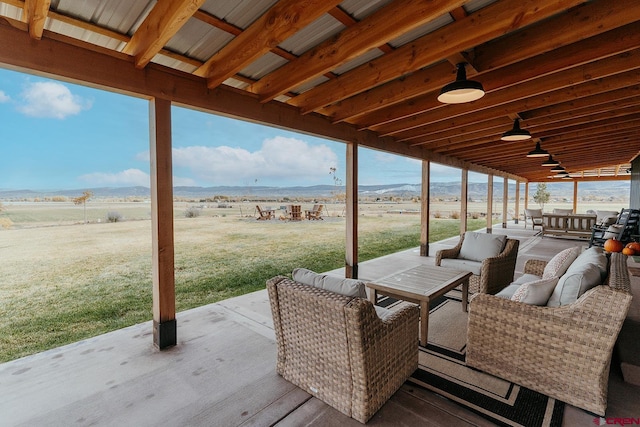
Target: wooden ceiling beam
(560,68)
(162,23)
(542,131)
(35,14)
(432,78)
(581,106)
(492,21)
(556,146)
(581,22)
(497,126)
(546,94)
(385,24)
(604,100)
(284,19)
(579,113)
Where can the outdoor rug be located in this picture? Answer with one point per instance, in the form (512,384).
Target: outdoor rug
(442,370)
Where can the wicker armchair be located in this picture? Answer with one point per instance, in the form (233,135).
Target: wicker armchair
(337,348)
(495,274)
(563,352)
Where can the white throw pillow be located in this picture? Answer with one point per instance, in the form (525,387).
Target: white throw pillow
(573,284)
(535,293)
(479,246)
(558,265)
(339,285)
(593,255)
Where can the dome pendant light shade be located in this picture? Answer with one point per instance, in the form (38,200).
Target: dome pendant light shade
(516,134)
(550,162)
(462,90)
(558,168)
(538,152)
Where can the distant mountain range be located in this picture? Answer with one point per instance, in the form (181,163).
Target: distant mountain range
(438,189)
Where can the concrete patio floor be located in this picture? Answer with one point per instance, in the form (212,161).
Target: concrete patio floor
(222,372)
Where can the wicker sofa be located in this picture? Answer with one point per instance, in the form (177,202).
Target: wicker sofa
(338,349)
(491,274)
(563,352)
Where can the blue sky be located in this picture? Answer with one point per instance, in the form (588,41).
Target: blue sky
(57,135)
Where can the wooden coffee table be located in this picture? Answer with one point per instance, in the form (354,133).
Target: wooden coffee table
(420,285)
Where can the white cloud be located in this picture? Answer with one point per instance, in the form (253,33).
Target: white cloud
(124,178)
(278,159)
(129,177)
(4,97)
(51,99)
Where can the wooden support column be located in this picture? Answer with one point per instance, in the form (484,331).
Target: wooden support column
(164,301)
(425,208)
(464,200)
(575,196)
(351,255)
(526,194)
(505,201)
(490,203)
(517,202)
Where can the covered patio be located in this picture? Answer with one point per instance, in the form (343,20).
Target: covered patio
(365,73)
(222,372)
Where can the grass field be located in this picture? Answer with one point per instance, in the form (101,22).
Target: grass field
(63,280)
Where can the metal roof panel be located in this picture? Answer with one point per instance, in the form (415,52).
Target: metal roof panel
(312,35)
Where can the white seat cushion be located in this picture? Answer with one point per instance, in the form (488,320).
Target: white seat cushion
(508,292)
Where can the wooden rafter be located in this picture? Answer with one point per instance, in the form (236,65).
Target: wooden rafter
(35,15)
(576,50)
(162,23)
(385,24)
(496,19)
(282,20)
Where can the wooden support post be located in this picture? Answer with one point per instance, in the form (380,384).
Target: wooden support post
(164,301)
(464,200)
(505,201)
(526,194)
(351,255)
(575,197)
(425,208)
(490,203)
(517,202)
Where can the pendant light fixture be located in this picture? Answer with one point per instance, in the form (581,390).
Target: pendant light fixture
(462,90)
(516,134)
(538,152)
(550,162)
(558,168)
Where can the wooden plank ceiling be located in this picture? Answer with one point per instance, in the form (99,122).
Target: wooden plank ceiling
(569,69)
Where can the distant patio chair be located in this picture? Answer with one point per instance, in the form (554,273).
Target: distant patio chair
(264,214)
(623,229)
(314,213)
(535,215)
(293,213)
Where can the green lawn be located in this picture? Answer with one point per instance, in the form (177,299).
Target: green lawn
(63,284)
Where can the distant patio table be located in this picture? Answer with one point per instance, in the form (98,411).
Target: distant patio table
(420,285)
